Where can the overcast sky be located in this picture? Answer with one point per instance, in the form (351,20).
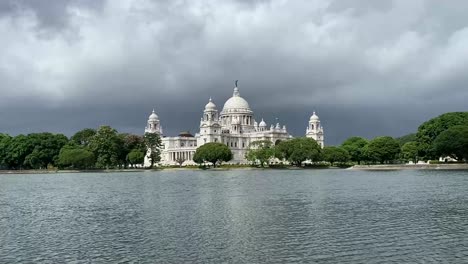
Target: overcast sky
(367,67)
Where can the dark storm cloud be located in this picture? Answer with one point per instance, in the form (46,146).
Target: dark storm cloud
(50,14)
(368,67)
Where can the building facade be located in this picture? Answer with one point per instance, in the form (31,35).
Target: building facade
(234,126)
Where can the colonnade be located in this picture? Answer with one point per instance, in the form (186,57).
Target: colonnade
(186,155)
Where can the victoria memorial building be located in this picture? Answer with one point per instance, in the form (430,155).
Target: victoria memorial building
(234,126)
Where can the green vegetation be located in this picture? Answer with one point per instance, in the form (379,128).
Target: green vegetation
(153,143)
(135,157)
(335,154)
(429,131)
(452,142)
(87,149)
(357,148)
(214,153)
(383,149)
(260,151)
(406,138)
(76,157)
(409,151)
(105,148)
(298,150)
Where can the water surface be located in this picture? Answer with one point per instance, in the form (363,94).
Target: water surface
(240,216)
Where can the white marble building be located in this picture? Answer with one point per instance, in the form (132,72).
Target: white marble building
(234,126)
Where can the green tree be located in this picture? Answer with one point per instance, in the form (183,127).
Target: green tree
(356,147)
(46,149)
(406,138)
(83,137)
(298,150)
(135,157)
(431,129)
(409,151)
(334,154)
(383,149)
(4,144)
(76,157)
(128,143)
(212,152)
(261,151)
(452,142)
(34,151)
(105,146)
(16,151)
(153,144)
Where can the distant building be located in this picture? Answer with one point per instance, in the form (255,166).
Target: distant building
(234,126)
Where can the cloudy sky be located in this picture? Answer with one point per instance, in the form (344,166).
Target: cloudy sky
(367,67)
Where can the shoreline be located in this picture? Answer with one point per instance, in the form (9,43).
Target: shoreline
(410,167)
(389,167)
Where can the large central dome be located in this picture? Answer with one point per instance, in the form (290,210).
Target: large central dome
(236,102)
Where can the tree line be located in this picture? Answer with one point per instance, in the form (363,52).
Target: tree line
(103,148)
(442,136)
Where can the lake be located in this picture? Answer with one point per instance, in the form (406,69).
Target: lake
(238,216)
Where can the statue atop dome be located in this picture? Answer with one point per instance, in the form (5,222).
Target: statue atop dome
(236,82)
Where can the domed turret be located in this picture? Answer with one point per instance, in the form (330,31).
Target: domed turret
(262,123)
(153,116)
(210,105)
(315,130)
(153,125)
(314,117)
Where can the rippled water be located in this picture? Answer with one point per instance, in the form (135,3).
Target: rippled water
(242,216)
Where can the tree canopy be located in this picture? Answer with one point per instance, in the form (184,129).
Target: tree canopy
(136,157)
(298,150)
(431,129)
(383,149)
(406,138)
(33,151)
(154,144)
(105,146)
(76,157)
(409,151)
(356,147)
(83,137)
(452,142)
(334,154)
(214,153)
(261,151)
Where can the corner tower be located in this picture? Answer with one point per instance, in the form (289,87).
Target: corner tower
(210,129)
(154,125)
(315,130)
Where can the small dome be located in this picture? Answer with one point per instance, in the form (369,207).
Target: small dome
(153,116)
(236,102)
(314,117)
(262,123)
(210,105)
